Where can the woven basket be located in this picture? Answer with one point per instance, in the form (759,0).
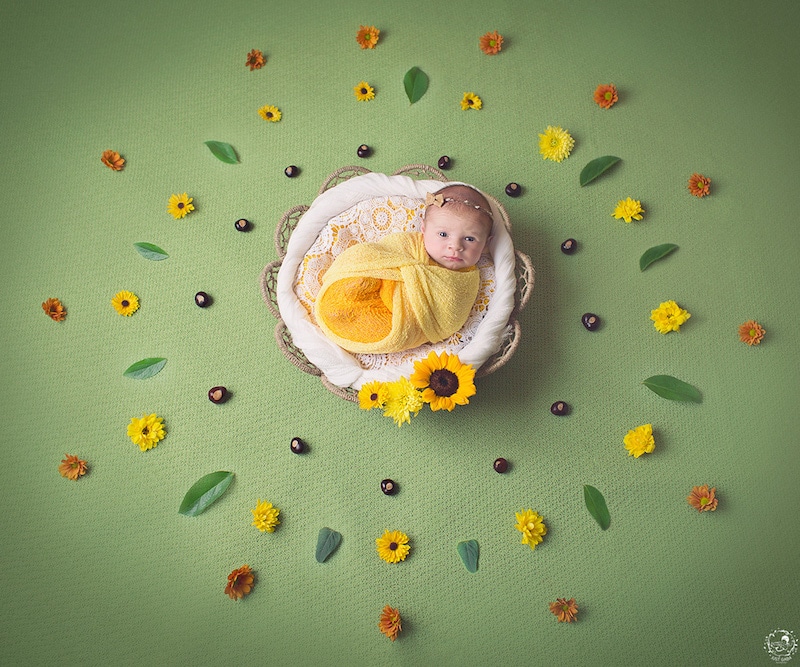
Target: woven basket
(268,281)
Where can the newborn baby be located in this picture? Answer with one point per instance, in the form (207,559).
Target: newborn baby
(409,288)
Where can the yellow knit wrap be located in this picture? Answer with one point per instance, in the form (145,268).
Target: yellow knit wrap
(391,296)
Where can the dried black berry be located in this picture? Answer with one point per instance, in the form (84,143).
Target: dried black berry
(444,162)
(364,151)
(513,190)
(389,487)
(501,465)
(559,408)
(242,225)
(298,446)
(591,321)
(291,171)
(569,246)
(202,299)
(217,394)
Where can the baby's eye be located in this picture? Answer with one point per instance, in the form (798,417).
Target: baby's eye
(443,234)
(470,239)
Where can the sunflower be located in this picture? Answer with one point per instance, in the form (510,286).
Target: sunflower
(605,95)
(55,310)
(444,380)
(555,144)
(372,395)
(125,303)
(367,36)
(402,399)
(255,60)
(393,547)
(180,206)
(265,516)
(72,467)
(471,101)
(270,113)
(364,92)
(146,432)
(240,583)
(491,43)
(112,160)
(390,622)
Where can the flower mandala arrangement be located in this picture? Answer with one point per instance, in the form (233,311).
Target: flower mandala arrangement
(669,316)
(640,441)
(390,622)
(54,309)
(179,206)
(265,516)
(240,583)
(72,467)
(146,432)
(392,546)
(532,527)
(440,380)
(555,144)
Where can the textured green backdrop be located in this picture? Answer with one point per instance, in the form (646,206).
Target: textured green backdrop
(104,571)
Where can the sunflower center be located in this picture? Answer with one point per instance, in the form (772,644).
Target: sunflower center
(443,382)
(373,397)
(125,303)
(393,546)
(269,114)
(181,204)
(145,430)
(470,100)
(363,91)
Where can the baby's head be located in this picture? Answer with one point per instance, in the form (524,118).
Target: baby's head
(457,226)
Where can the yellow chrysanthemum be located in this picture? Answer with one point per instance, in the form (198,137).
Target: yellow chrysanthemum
(180,206)
(125,303)
(532,527)
(668,317)
(270,113)
(555,144)
(444,380)
(628,210)
(402,399)
(640,441)
(265,516)
(373,395)
(146,432)
(393,546)
(471,101)
(364,92)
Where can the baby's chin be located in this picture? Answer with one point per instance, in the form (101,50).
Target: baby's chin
(453,264)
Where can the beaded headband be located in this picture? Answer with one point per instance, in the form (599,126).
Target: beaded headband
(440,200)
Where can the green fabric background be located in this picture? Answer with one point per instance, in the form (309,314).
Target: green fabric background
(105,572)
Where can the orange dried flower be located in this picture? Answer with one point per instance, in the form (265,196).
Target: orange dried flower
(367,36)
(702,499)
(255,60)
(491,43)
(72,467)
(240,582)
(564,610)
(751,332)
(390,623)
(605,95)
(54,310)
(112,160)
(698,185)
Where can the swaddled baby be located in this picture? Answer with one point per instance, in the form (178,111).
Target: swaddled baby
(409,288)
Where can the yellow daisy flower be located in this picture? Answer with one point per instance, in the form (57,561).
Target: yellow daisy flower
(146,432)
(180,206)
(668,317)
(532,527)
(125,303)
(444,380)
(471,101)
(555,144)
(640,441)
(265,516)
(372,395)
(393,547)
(628,209)
(364,92)
(270,113)
(402,399)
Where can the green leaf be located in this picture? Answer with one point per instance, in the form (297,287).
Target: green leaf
(596,505)
(204,492)
(146,368)
(222,151)
(672,388)
(150,251)
(416,83)
(655,253)
(468,550)
(597,167)
(327,541)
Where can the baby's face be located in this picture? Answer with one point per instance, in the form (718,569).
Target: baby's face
(454,237)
